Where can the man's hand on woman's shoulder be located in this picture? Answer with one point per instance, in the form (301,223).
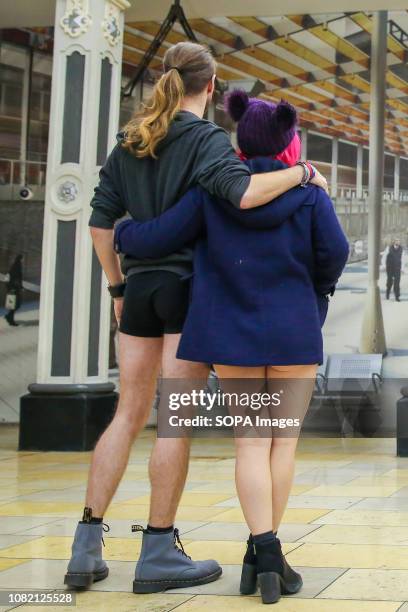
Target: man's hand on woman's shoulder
(320,181)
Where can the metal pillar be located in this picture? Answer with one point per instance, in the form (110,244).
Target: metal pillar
(334,167)
(25,114)
(73,395)
(359,174)
(396,178)
(303,136)
(372,332)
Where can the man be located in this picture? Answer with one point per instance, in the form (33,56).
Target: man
(166,148)
(393,268)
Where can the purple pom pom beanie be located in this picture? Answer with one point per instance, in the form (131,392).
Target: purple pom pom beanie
(264,128)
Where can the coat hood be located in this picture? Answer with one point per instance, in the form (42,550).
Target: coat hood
(183,122)
(278,210)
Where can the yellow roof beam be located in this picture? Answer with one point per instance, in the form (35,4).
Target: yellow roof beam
(224,37)
(229,60)
(298,19)
(356,81)
(249,69)
(132,56)
(366,23)
(286,94)
(277,62)
(206,28)
(397,82)
(336,90)
(398,105)
(138,42)
(253,25)
(150,27)
(306,92)
(260,28)
(344,47)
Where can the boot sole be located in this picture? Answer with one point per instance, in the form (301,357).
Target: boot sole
(272,586)
(84,580)
(291,589)
(154,586)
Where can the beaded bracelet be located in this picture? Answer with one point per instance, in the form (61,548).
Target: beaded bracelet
(312,170)
(309,172)
(306,173)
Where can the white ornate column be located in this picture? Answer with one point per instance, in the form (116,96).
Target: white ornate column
(75,306)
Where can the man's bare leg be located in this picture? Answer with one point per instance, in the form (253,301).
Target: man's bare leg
(161,564)
(140,360)
(168,465)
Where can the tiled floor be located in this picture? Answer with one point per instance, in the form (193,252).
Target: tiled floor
(346,527)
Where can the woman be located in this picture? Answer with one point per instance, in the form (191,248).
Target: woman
(259,299)
(14,289)
(165,149)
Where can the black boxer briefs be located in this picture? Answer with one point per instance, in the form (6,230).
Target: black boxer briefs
(155,303)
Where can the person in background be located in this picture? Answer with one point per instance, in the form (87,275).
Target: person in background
(260,292)
(393,265)
(14,289)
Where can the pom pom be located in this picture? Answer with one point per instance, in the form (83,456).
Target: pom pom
(236,103)
(286,115)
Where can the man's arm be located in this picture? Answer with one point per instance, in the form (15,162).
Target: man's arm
(220,171)
(109,260)
(265,187)
(107,205)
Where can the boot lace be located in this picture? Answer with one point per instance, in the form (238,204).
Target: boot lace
(105,528)
(177,544)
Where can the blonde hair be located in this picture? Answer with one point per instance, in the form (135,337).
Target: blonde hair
(188,68)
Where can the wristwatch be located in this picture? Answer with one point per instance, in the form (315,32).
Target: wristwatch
(117,291)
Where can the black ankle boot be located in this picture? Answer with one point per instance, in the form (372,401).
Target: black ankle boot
(293,580)
(249,569)
(275,575)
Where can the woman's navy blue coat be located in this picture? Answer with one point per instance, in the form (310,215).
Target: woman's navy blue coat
(261,277)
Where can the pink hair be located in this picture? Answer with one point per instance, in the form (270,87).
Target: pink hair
(292,152)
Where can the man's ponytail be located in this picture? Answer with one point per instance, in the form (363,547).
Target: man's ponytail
(152,123)
(188,68)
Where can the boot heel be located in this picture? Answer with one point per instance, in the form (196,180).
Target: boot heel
(270,587)
(78,581)
(248,579)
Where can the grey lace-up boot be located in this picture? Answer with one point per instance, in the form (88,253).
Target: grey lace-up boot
(86,565)
(163,565)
